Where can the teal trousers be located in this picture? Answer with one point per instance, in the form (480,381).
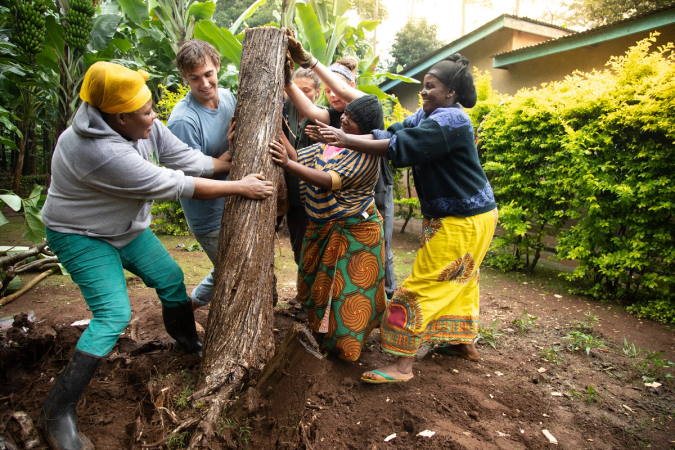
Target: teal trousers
(97,268)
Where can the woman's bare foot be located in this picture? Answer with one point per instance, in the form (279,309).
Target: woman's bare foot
(401,370)
(466,351)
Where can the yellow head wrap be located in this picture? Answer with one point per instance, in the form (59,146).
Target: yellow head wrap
(115,89)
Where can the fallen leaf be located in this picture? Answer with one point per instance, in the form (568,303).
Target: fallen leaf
(556,394)
(390,437)
(628,408)
(499,374)
(541,370)
(455,370)
(557,296)
(79,323)
(502,434)
(653,385)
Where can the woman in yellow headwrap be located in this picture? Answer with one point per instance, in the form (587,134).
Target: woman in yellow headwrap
(106,170)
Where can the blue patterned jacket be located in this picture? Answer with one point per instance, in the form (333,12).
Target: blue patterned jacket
(440,148)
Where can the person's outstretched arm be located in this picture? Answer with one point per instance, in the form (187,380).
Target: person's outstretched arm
(335,83)
(363,143)
(305,106)
(252,186)
(292,154)
(330,79)
(312,176)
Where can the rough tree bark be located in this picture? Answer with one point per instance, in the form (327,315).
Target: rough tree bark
(239,339)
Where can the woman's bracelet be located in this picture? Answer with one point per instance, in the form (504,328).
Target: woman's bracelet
(315,63)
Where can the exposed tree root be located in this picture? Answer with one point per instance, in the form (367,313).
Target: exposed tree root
(183,426)
(206,430)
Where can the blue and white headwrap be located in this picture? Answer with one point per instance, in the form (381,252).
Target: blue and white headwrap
(342,71)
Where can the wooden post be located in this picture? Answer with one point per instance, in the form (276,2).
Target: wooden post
(239,339)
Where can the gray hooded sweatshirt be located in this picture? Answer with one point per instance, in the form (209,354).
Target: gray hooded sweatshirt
(103,185)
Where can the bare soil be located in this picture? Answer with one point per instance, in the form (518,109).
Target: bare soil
(504,401)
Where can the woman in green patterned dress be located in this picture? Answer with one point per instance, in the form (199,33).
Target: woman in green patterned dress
(341,276)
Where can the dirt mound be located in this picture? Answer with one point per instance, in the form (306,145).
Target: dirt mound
(539,377)
(140,393)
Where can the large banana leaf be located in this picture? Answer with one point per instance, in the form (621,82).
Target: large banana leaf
(321,11)
(393,76)
(123,45)
(105,26)
(336,37)
(35,227)
(11,200)
(369,25)
(221,38)
(374,90)
(135,10)
(313,32)
(288,14)
(54,35)
(203,10)
(245,15)
(340,7)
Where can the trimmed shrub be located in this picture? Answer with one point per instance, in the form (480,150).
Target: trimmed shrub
(597,148)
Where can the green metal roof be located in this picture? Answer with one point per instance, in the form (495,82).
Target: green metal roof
(503,21)
(644,22)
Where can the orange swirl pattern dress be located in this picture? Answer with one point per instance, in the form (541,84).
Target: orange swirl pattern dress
(341,274)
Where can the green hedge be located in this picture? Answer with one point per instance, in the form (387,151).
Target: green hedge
(598,149)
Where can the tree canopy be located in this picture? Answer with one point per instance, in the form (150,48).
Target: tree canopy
(365,9)
(605,11)
(592,13)
(415,40)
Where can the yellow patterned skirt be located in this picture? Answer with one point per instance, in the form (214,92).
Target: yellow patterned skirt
(439,300)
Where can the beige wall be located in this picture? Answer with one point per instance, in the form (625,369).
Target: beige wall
(534,72)
(522,39)
(479,55)
(555,67)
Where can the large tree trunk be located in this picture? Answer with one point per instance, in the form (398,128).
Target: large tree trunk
(239,339)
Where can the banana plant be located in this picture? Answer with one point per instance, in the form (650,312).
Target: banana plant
(225,39)
(69,63)
(179,18)
(31,206)
(323,29)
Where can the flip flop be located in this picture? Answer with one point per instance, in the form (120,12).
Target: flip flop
(387,378)
(444,349)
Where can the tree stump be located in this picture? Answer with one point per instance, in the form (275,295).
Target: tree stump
(276,403)
(239,339)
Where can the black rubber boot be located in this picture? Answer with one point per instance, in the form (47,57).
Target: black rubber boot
(58,418)
(180,324)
